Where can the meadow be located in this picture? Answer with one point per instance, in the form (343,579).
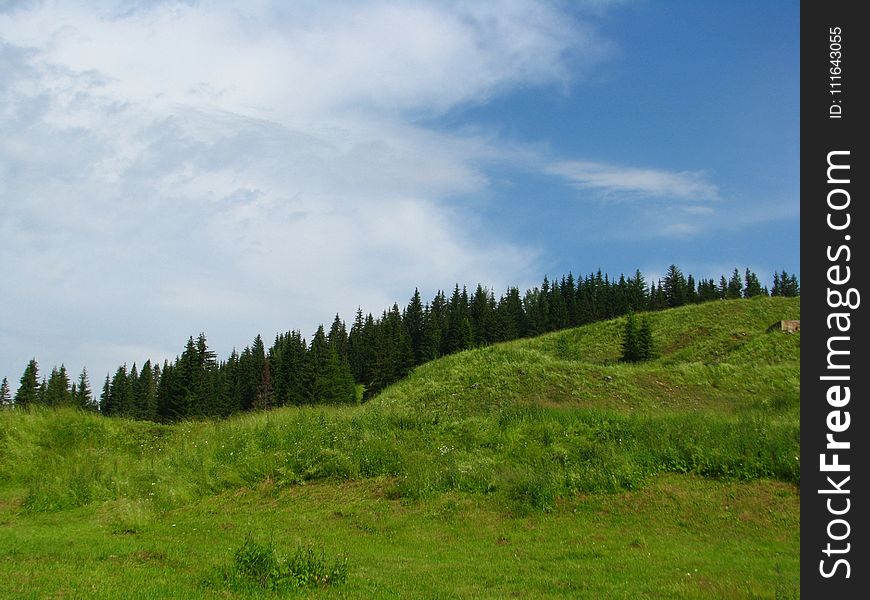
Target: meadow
(538,468)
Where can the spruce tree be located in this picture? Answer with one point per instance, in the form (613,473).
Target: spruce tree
(106,397)
(752,285)
(645,346)
(735,286)
(412,319)
(435,324)
(630,340)
(459,335)
(28,389)
(57,390)
(147,408)
(480,317)
(675,287)
(5,394)
(120,393)
(84,398)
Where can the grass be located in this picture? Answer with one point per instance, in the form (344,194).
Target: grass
(537,468)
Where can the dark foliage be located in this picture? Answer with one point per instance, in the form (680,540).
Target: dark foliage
(376,352)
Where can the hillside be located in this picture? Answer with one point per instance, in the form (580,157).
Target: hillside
(550,434)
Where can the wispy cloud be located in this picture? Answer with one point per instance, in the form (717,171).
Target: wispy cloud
(171,167)
(619,182)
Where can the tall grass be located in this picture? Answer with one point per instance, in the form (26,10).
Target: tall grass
(528,421)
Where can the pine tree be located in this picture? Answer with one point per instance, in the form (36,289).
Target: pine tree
(135,396)
(28,390)
(170,394)
(83,397)
(691,291)
(735,286)
(106,406)
(480,317)
(259,377)
(637,339)
(329,377)
(435,324)
(787,285)
(645,345)
(5,394)
(412,318)
(752,285)
(57,390)
(569,294)
(337,337)
(675,287)
(147,385)
(512,323)
(459,335)
(120,393)
(630,345)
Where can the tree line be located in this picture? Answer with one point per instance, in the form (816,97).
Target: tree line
(344,366)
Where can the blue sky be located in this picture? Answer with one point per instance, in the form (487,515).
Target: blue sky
(168,168)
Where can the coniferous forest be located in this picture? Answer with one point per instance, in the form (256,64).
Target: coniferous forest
(345,365)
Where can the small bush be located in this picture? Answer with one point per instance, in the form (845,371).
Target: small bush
(258,565)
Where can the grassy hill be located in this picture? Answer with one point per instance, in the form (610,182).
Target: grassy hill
(537,468)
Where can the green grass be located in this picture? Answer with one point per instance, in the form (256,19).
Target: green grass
(537,468)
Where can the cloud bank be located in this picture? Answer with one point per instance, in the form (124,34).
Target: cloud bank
(174,167)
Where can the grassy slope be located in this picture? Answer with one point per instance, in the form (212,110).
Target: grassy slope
(543,459)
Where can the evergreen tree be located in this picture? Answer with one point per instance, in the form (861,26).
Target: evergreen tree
(259,377)
(147,393)
(106,407)
(691,291)
(413,320)
(40,395)
(329,377)
(83,397)
(620,297)
(675,287)
(170,394)
(5,394)
(459,335)
(337,337)
(752,285)
(645,346)
(57,390)
(788,285)
(435,325)
(735,286)
(637,339)
(287,360)
(512,323)
(120,393)
(569,296)
(481,317)
(231,400)
(135,395)
(28,389)
(630,340)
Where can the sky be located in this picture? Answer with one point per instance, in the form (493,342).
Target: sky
(173,167)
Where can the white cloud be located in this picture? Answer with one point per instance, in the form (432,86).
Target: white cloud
(627,182)
(170,167)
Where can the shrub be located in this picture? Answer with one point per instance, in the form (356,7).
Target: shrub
(257,565)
